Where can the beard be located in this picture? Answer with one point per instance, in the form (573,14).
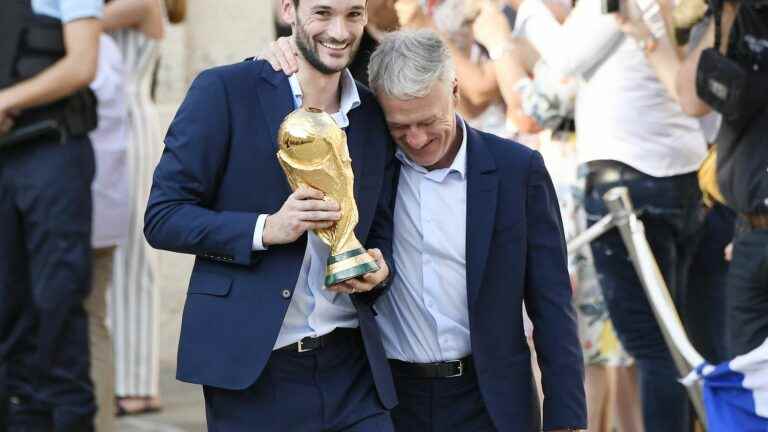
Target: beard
(308,49)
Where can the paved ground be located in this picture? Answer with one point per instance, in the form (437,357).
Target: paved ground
(182,409)
(182,403)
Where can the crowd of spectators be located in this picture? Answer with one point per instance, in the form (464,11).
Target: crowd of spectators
(609,98)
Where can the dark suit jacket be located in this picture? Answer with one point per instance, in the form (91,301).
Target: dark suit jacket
(516,251)
(218,172)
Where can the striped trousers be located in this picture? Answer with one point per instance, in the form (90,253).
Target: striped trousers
(133,308)
(134,297)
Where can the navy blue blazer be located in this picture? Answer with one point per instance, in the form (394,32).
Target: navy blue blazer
(516,251)
(218,172)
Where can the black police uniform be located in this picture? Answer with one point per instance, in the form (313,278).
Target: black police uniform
(742,172)
(46,170)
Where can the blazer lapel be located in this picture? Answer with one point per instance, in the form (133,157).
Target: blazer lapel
(276,100)
(356,138)
(482,190)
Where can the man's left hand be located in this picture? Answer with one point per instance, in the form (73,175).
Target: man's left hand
(367,281)
(282,55)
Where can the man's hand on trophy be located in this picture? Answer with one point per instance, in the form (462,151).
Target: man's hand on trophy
(305,209)
(367,281)
(282,54)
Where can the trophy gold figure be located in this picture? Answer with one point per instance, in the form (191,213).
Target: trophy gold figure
(313,151)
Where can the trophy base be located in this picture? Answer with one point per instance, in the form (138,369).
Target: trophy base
(348,265)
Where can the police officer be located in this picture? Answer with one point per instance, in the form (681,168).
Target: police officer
(48,56)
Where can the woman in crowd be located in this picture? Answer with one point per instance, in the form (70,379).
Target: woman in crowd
(111,210)
(138,26)
(632,133)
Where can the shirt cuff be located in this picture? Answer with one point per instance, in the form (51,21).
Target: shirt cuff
(258,233)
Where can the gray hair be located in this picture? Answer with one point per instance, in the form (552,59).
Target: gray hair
(408,63)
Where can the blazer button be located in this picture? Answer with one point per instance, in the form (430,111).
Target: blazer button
(286,294)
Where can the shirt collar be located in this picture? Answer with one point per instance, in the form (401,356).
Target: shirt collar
(350,98)
(459,164)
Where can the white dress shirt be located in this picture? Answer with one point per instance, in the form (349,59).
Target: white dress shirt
(315,311)
(425,317)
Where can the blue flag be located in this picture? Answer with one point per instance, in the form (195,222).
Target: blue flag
(736,392)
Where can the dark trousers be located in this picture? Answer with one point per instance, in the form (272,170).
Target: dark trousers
(440,404)
(748,292)
(671,213)
(704,311)
(327,389)
(45,209)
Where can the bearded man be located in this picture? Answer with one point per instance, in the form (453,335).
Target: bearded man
(273,349)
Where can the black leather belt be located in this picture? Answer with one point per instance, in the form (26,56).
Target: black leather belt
(608,171)
(313,343)
(446,369)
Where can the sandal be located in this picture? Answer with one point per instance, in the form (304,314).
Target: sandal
(136,405)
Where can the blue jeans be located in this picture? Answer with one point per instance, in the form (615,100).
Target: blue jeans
(671,214)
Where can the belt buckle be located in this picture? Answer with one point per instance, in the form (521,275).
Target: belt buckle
(300,346)
(461,369)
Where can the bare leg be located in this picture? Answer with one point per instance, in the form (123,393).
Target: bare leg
(600,388)
(628,412)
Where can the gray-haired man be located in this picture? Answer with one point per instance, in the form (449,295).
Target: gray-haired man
(477,232)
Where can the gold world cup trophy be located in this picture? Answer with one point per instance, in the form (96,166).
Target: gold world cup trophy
(313,152)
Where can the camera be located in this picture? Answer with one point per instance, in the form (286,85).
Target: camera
(733,89)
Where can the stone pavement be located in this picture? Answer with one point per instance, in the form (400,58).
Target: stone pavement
(183,409)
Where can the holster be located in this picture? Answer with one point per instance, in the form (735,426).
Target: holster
(36,43)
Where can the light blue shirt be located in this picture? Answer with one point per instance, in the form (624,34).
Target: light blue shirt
(69,10)
(315,311)
(424,317)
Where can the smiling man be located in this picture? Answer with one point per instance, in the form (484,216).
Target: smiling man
(273,348)
(477,231)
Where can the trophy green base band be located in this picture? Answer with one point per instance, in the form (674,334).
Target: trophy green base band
(333,259)
(349,265)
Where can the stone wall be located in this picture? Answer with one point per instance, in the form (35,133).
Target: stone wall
(216,32)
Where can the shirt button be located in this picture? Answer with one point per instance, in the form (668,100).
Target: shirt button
(286,293)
